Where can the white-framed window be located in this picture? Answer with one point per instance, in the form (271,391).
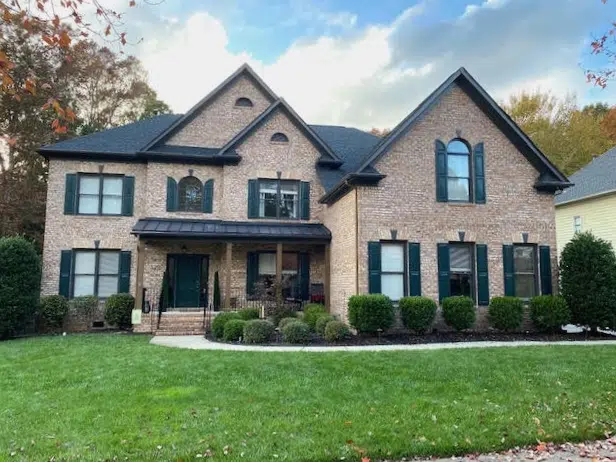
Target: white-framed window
(278,199)
(525,270)
(577,224)
(458,171)
(461,270)
(100,195)
(393,270)
(290,272)
(96,272)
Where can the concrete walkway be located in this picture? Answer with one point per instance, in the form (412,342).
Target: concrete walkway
(198,342)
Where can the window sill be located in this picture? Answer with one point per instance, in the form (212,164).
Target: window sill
(462,204)
(84,215)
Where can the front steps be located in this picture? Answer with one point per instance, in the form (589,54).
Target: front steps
(188,322)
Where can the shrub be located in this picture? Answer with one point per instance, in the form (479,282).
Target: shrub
(549,312)
(322,322)
(118,309)
(506,313)
(459,312)
(417,313)
(312,312)
(250,313)
(296,332)
(258,331)
(336,331)
(371,313)
(284,321)
(233,330)
(278,312)
(52,311)
(20,275)
(216,300)
(588,280)
(86,305)
(218,324)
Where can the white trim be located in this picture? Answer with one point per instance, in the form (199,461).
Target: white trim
(591,196)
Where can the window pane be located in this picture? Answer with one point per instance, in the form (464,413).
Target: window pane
(268,187)
(267,263)
(289,263)
(190,192)
(288,206)
(112,205)
(458,166)
(84,262)
(290,286)
(525,285)
(267,206)
(83,285)
(112,186)
(392,258)
(457,146)
(460,284)
(460,258)
(392,285)
(89,185)
(523,259)
(457,189)
(88,204)
(109,263)
(107,285)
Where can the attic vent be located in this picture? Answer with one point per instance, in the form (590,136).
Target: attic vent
(243,102)
(279,138)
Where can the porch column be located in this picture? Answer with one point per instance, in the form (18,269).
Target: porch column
(139,275)
(228,270)
(279,273)
(326,289)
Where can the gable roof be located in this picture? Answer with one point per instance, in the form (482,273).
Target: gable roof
(596,178)
(243,70)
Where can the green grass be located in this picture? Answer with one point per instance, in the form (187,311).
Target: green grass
(103,396)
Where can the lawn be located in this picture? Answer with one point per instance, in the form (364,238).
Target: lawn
(96,397)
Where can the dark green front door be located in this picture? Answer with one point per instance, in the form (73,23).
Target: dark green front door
(189,280)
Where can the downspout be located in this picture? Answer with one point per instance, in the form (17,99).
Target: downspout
(356,241)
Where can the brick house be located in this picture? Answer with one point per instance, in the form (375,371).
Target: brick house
(456,200)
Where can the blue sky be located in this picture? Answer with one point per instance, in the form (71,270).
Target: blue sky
(368,63)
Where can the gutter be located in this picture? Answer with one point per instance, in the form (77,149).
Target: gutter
(349,180)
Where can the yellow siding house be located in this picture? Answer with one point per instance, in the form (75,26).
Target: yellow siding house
(590,204)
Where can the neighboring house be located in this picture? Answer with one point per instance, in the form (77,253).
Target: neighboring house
(455,201)
(589,205)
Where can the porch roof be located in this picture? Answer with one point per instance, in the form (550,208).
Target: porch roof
(230,230)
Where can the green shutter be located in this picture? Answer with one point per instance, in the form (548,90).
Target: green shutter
(480,180)
(443,271)
(545,266)
(208,196)
(374,267)
(483,282)
(66,260)
(252,272)
(253,198)
(304,197)
(508,270)
(304,276)
(414,269)
(172,195)
(124,281)
(128,193)
(441,171)
(70,194)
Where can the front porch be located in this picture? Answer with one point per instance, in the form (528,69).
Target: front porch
(194,268)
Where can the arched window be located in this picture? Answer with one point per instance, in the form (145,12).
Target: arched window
(243,102)
(458,171)
(279,138)
(190,194)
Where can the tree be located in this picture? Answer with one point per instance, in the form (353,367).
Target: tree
(588,281)
(216,292)
(604,46)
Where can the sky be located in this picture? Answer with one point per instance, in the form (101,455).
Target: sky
(368,63)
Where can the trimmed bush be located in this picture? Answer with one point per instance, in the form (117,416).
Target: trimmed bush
(250,313)
(459,312)
(321,323)
(52,311)
(219,321)
(588,281)
(258,331)
(233,330)
(371,313)
(506,313)
(296,332)
(86,305)
(336,331)
(276,313)
(118,309)
(417,313)
(312,312)
(284,321)
(20,275)
(549,312)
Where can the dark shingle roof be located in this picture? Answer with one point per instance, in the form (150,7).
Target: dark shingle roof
(595,178)
(219,229)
